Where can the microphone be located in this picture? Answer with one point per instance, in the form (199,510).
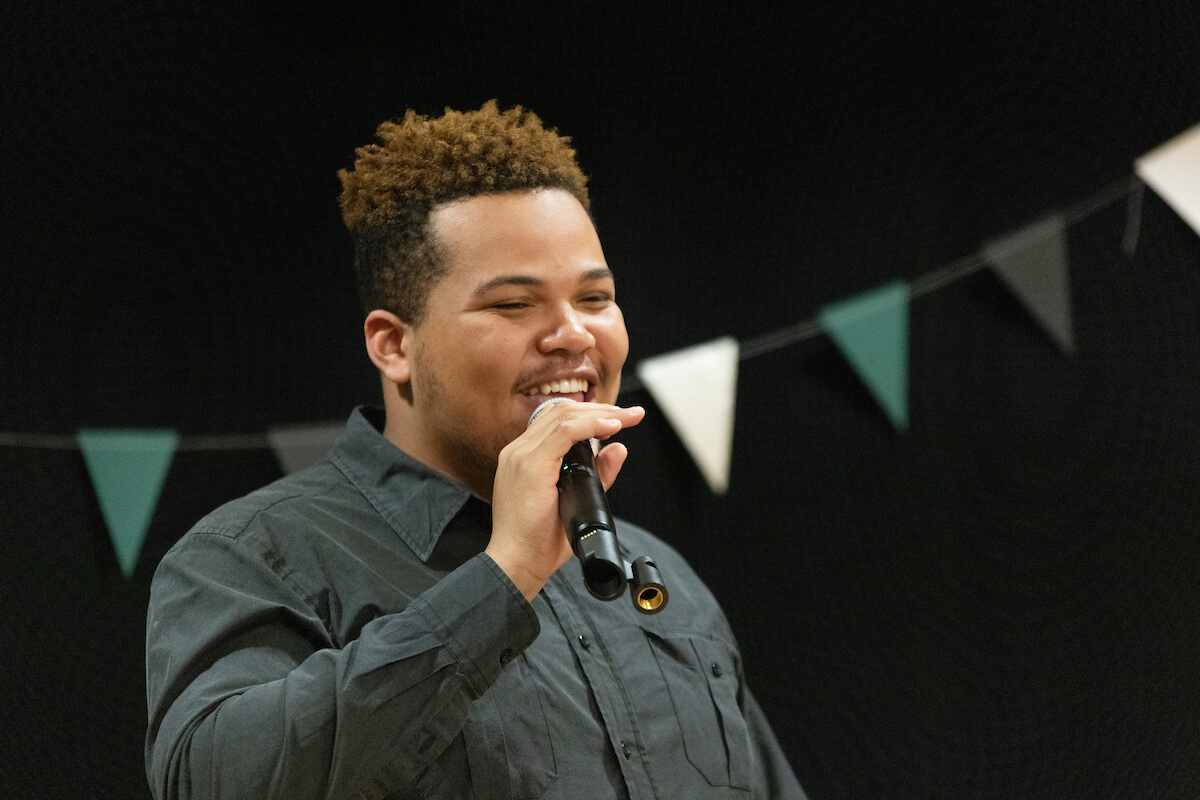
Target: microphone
(583,509)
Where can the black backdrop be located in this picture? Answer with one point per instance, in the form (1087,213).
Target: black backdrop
(1000,603)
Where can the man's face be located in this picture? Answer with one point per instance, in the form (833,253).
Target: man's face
(527,311)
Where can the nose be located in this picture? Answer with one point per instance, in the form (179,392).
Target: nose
(567,330)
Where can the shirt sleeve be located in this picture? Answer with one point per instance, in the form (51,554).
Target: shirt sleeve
(775,777)
(249,697)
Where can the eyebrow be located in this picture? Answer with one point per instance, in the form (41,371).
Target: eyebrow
(598,274)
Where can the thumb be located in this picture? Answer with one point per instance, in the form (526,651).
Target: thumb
(609,462)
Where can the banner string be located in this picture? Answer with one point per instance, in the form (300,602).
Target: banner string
(750,348)
(923,285)
(219,441)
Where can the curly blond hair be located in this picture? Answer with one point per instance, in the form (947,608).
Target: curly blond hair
(422,162)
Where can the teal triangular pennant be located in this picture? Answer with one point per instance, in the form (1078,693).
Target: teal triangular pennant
(871,330)
(127,468)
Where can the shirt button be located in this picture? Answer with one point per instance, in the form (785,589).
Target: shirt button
(585,641)
(506,656)
(625,749)
(717,671)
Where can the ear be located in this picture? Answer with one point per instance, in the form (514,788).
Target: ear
(389,344)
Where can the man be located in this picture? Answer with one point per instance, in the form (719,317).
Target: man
(401,620)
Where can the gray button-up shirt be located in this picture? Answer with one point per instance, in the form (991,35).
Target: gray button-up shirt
(340,634)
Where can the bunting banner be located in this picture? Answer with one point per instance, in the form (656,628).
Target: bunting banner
(696,389)
(871,330)
(1173,171)
(299,446)
(1032,261)
(128,469)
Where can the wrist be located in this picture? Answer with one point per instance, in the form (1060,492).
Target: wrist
(527,582)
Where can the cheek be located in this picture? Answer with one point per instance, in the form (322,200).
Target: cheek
(488,360)
(455,362)
(614,341)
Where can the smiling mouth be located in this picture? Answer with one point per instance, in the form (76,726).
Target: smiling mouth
(568,386)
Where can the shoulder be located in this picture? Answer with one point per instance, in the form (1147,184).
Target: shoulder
(292,502)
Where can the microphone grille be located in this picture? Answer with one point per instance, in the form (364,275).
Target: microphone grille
(538,410)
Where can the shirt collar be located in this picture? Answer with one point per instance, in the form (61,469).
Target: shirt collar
(415,500)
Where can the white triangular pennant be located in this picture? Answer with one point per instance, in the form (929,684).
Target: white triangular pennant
(1032,261)
(1173,171)
(300,446)
(696,388)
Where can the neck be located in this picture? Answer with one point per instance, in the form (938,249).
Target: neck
(405,432)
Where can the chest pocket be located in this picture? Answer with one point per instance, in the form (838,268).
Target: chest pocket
(692,704)
(505,744)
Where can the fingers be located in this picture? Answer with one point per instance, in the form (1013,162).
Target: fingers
(609,463)
(561,425)
(573,422)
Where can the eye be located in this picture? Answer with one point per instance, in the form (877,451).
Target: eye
(511,305)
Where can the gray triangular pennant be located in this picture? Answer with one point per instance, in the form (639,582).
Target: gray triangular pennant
(1032,261)
(1133,216)
(300,446)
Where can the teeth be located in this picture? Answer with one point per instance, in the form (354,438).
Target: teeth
(569,386)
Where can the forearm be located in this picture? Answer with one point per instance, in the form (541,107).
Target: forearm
(338,720)
(271,717)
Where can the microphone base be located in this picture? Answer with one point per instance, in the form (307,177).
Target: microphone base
(603,567)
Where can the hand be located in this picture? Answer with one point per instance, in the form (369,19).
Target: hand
(528,540)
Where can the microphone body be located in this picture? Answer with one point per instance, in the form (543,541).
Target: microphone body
(583,508)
